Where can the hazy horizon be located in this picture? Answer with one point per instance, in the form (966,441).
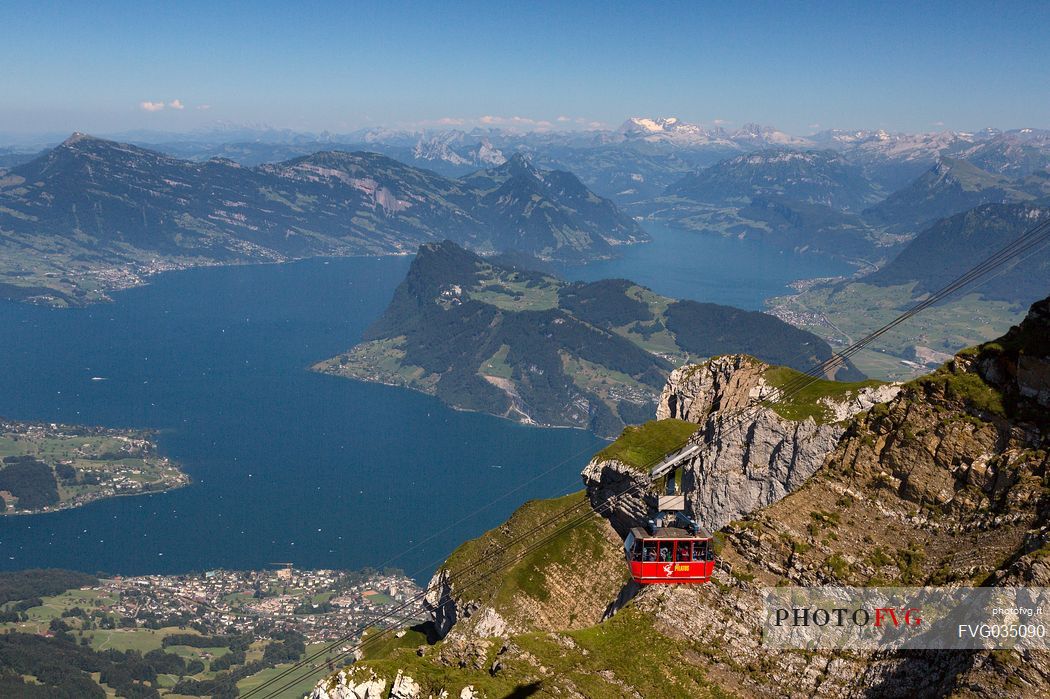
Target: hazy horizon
(119,67)
(215,131)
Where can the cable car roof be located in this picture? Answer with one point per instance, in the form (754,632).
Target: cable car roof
(669,533)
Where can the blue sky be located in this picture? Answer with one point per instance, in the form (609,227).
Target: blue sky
(111,66)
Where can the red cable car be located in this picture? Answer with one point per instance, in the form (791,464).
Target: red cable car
(664,553)
(669,555)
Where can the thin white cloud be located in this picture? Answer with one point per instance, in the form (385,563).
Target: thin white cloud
(814,126)
(151,106)
(203,107)
(938,123)
(515,121)
(721,122)
(176,104)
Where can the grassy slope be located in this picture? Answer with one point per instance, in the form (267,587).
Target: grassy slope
(804,393)
(642,446)
(529,575)
(596,661)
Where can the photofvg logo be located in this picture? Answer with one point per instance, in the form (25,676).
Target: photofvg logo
(881,618)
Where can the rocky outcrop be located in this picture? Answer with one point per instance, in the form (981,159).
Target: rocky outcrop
(859,401)
(345,684)
(442,604)
(612,480)
(1018,364)
(750,464)
(694,392)
(351,683)
(752,456)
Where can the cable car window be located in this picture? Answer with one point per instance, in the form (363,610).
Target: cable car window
(650,550)
(700,551)
(665,551)
(682,551)
(636,552)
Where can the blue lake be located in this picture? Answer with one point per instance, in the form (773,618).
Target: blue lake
(289,465)
(690,265)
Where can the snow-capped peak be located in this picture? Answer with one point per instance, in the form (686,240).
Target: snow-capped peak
(670,130)
(657,125)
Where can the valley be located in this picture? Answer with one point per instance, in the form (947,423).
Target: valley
(840,310)
(841,315)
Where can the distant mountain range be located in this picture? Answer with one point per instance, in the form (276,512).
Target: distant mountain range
(826,201)
(857,195)
(527,346)
(90,204)
(638,159)
(890,160)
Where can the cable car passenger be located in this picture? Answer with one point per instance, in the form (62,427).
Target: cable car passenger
(665,551)
(682,552)
(698,551)
(650,551)
(636,552)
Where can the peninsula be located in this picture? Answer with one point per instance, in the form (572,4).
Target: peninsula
(49,467)
(493,337)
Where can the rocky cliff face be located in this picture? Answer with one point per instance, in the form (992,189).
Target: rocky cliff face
(752,454)
(943,485)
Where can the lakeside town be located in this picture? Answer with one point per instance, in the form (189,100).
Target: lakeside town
(211,633)
(322,605)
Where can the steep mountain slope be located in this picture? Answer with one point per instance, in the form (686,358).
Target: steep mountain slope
(949,187)
(542,212)
(527,346)
(68,218)
(944,483)
(950,247)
